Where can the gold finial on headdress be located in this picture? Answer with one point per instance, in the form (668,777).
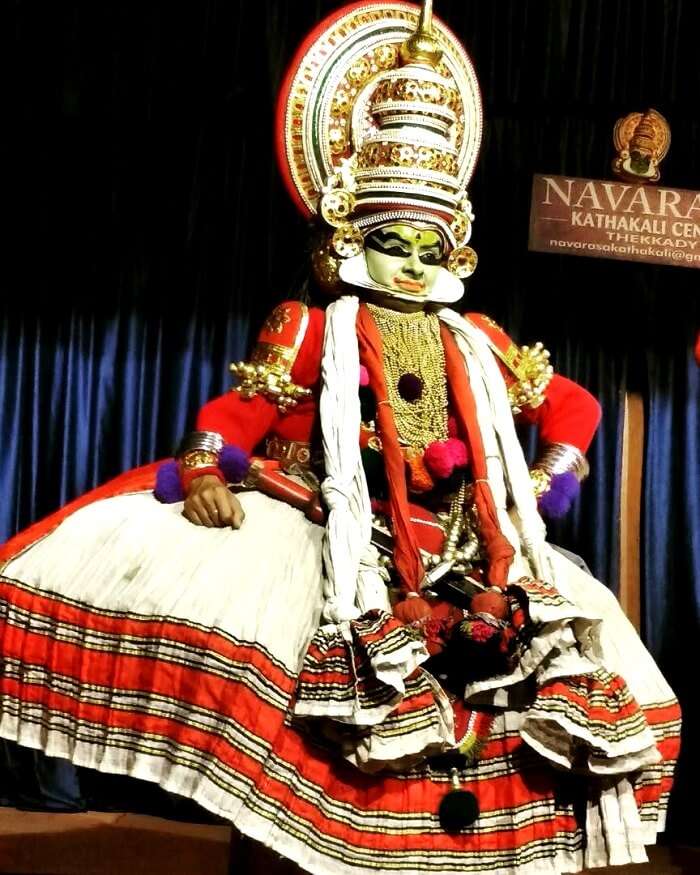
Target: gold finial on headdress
(421,47)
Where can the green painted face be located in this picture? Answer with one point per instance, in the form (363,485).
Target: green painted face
(404,258)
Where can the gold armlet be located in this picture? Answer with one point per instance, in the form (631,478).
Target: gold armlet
(269,371)
(270,382)
(533,373)
(199,459)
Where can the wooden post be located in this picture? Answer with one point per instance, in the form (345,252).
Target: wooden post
(630,507)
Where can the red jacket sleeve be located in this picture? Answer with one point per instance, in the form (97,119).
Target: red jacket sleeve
(288,346)
(569,414)
(566,413)
(240,421)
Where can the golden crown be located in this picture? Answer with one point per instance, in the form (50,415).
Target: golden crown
(381,121)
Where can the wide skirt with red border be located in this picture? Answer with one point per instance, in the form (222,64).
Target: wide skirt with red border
(135,643)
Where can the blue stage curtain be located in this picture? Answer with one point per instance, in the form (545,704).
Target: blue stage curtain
(671,527)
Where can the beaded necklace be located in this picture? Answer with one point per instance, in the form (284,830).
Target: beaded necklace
(414,366)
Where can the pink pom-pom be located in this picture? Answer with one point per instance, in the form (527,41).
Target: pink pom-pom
(442,457)
(438,459)
(460,454)
(364,376)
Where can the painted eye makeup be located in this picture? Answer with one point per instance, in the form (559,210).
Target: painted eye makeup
(389,244)
(432,256)
(393,245)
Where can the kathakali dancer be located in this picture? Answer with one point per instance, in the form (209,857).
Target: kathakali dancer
(357,646)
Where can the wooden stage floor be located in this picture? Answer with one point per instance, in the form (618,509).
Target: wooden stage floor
(125,844)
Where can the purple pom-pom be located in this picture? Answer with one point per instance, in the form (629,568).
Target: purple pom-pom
(168,487)
(234,463)
(563,489)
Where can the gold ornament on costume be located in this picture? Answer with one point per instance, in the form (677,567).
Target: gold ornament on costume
(421,47)
(533,373)
(385,155)
(443,100)
(642,141)
(461,227)
(412,345)
(199,459)
(325,263)
(540,480)
(348,240)
(276,321)
(336,206)
(260,379)
(269,372)
(462,262)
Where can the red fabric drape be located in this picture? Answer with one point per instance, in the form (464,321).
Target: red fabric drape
(498,548)
(407,558)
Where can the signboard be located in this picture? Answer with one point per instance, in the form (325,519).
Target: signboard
(615,220)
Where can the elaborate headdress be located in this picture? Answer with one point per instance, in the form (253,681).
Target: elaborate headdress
(379,122)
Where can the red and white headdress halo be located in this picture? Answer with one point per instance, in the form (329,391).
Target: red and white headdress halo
(370,133)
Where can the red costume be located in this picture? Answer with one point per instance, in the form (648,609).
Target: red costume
(565,413)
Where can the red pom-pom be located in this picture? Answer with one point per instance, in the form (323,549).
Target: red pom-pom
(442,457)
(438,459)
(364,376)
(490,602)
(519,618)
(458,451)
(411,609)
(477,631)
(433,632)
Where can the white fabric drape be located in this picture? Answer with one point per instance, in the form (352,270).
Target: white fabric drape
(353,583)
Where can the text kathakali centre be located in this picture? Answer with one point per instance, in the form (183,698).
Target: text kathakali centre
(604,219)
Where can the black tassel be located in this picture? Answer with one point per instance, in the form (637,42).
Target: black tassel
(459,808)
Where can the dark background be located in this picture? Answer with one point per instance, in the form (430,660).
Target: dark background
(149,234)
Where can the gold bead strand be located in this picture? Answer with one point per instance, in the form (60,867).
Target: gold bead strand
(412,345)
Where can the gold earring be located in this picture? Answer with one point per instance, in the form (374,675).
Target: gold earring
(462,262)
(348,240)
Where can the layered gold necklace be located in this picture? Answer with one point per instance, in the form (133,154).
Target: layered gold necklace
(414,369)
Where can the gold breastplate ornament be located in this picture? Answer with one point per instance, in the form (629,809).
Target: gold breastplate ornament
(414,369)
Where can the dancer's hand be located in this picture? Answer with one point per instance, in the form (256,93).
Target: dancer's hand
(209,503)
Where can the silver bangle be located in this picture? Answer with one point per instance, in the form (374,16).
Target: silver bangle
(203,441)
(560,458)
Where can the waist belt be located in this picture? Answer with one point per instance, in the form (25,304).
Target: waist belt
(291,453)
